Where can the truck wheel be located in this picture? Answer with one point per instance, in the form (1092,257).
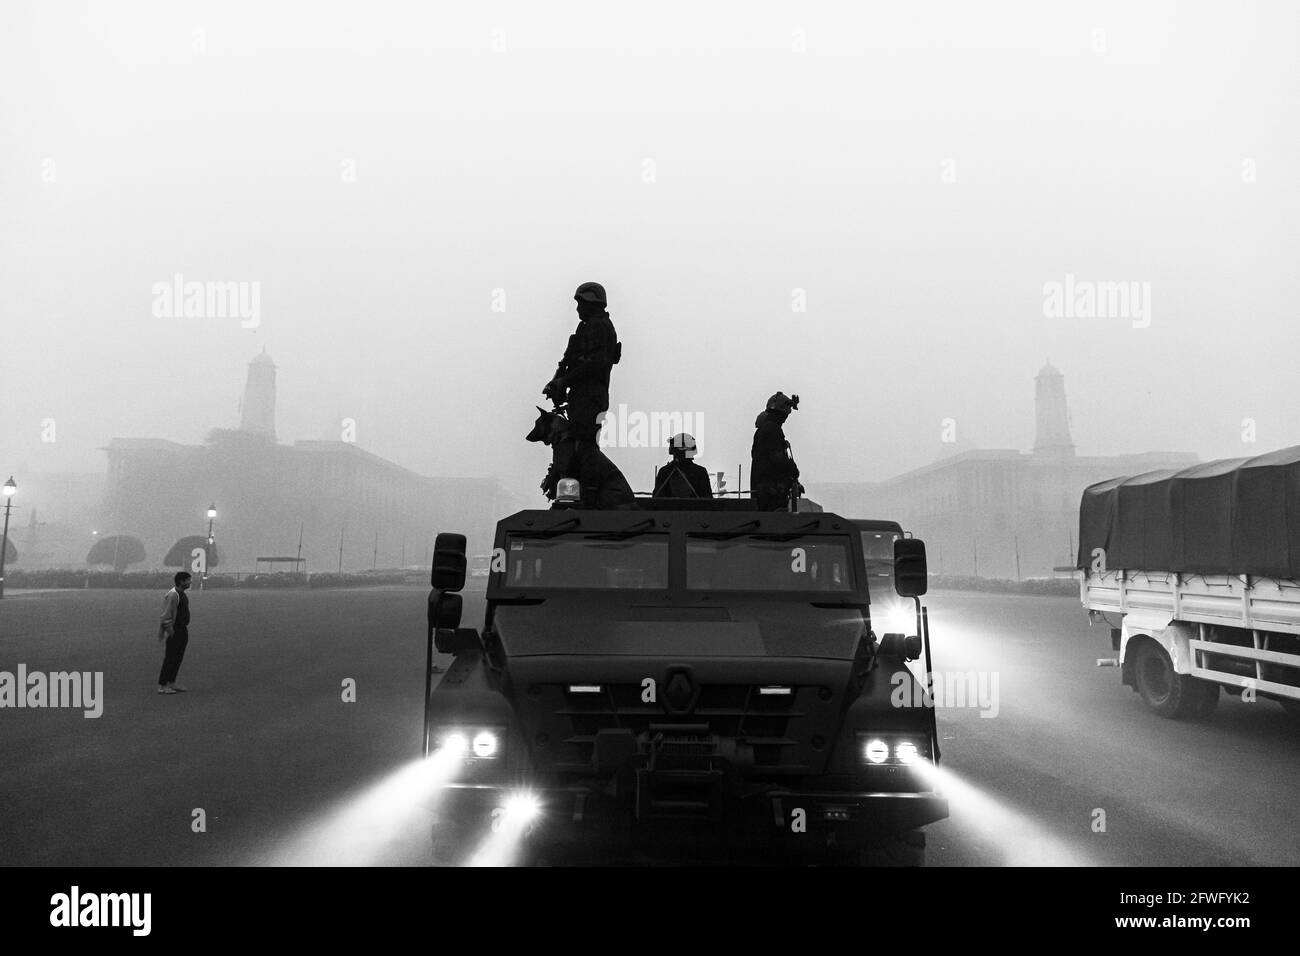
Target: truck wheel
(901,849)
(1170,694)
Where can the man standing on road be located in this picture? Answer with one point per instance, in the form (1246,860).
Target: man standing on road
(175,630)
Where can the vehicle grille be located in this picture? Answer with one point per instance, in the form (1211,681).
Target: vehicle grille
(769,724)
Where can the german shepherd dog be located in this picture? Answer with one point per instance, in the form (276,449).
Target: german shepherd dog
(603,485)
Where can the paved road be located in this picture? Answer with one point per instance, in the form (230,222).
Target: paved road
(286,771)
(1069,740)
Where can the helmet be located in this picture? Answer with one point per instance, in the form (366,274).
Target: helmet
(683,446)
(591,292)
(782,404)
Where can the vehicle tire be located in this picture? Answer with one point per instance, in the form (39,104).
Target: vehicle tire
(1169,694)
(901,849)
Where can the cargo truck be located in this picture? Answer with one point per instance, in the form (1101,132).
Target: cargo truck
(1198,572)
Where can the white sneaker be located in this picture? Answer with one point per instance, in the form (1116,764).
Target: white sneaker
(166,690)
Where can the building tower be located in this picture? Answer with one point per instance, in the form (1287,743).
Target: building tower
(1052,436)
(257,414)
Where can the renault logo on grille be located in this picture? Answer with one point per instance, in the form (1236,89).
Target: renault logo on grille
(681,693)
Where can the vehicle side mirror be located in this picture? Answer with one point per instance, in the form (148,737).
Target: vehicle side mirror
(911,575)
(444,610)
(448,571)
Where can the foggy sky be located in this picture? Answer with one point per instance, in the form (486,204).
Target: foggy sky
(505,146)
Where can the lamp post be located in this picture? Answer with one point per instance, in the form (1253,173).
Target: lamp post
(9,490)
(207,555)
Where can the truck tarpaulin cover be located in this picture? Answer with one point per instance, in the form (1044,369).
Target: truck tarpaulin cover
(1235,516)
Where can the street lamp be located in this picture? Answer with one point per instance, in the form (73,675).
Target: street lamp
(212,516)
(9,490)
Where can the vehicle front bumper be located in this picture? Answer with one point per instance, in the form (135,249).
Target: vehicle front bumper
(786,819)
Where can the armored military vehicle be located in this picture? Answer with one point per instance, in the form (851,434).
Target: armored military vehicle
(692,679)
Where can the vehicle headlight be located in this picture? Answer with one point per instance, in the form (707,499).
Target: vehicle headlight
(472,743)
(892,750)
(523,806)
(894,618)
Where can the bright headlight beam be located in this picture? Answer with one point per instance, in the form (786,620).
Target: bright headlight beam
(378,824)
(896,619)
(876,750)
(510,823)
(485,743)
(980,816)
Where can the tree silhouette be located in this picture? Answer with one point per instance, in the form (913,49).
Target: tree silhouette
(182,552)
(119,550)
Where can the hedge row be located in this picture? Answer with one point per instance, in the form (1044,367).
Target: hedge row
(152,580)
(1046,586)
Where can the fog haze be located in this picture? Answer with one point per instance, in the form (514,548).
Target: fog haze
(392,174)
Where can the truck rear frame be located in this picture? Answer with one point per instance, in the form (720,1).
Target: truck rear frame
(1238,631)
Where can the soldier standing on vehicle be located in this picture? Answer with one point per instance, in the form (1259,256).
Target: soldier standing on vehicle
(581,379)
(773,476)
(682,477)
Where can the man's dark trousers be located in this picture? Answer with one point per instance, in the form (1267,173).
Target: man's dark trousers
(174,655)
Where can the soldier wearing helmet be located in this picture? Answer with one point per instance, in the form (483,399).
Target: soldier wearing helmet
(682,477)
(773,476)
(581,379)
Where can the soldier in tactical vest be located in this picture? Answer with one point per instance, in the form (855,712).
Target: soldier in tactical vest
(682,477)
(581,380)
(773,476)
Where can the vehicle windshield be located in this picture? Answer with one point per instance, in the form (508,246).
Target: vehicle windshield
(878,547)
(588,561)
(763,563)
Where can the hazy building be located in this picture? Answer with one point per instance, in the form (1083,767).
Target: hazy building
(333,494)
(1051,415)
(983,511)
(257,412)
